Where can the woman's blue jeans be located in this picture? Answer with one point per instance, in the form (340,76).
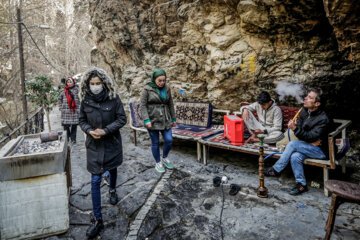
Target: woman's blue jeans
(296,152)
(95,190)
(155,143)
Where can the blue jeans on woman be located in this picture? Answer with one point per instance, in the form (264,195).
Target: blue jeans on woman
(296,152)
(155,142)
(95,190)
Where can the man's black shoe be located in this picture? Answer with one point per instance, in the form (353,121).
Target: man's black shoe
(270,172)
(298,189)
(113,197)
(94,229)
(234,189)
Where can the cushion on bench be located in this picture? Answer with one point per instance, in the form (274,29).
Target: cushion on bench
(288,114)
(135,111)
(193,113)
(187,113)
(193,118)
(220,140)
(193,132)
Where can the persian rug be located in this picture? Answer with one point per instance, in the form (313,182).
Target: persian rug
(288,114)
(193,113)
(219,139)
(135,112)
(207,132)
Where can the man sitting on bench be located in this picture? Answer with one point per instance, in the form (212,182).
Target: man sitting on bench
(311,129)
(270,119)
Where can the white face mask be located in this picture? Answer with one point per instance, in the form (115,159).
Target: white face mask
(96,89)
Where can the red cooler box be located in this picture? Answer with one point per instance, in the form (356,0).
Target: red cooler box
(234,129)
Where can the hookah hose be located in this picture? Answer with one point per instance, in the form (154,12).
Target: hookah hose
(272,154)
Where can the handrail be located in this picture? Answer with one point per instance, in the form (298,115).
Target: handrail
(342,127)
(35,124)
(344,124)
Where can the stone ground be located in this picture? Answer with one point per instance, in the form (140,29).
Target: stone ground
(183,204)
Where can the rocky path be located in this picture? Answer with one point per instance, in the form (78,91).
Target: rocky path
(183,204)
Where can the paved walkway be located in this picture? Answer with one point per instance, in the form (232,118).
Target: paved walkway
(183,204)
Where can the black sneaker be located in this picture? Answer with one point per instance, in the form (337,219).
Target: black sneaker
(298,189)
(113,197)
(217,181)
(270,172)
(95,228)
(234,189)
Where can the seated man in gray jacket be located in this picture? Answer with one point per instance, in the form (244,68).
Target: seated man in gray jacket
(270,119)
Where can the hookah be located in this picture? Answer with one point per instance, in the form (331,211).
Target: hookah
(262,191)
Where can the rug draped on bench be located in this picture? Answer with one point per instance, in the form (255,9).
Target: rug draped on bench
(193,118)
(135,111)
(196,132)
(219,139)
(193,113)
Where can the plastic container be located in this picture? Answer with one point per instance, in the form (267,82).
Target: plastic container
(234,129)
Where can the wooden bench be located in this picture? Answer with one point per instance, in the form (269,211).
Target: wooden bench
(195,120)
(218,141)
(341,192)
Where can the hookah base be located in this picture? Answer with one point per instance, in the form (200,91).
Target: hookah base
(262,192)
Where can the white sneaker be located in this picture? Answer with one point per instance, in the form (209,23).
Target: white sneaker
(159,167)
(167,163)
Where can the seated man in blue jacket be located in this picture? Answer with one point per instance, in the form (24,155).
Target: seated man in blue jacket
(311,129)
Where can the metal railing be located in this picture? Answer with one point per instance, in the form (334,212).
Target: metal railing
(34,124)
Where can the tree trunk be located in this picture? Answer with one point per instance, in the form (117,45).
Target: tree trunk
(48,119)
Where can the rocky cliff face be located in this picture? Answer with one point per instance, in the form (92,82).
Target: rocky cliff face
(344,18)
(226,51)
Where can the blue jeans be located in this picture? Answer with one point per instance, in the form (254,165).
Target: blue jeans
(95,190)
(155,148)
(296,152)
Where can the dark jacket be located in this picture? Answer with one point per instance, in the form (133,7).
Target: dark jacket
(313,126)
(105,153)
(160,112)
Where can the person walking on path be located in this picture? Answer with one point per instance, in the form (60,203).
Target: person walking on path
(69,106)
(311,129)
(158,112)
(101,117)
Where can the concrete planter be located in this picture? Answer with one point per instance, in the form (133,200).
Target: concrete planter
(34,192)
(33,164)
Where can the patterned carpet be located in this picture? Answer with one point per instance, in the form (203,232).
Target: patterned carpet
(206,132)
(219,139)
(193,113)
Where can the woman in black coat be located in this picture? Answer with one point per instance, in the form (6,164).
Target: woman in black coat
(101,116)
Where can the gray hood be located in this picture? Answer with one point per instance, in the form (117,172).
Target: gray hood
(107,81)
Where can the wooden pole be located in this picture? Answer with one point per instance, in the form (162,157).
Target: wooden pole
(22,66)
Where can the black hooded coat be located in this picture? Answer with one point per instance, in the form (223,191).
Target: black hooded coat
(105,153)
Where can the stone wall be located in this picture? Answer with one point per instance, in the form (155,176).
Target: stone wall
(226,51)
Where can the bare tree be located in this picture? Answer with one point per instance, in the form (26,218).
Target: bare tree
(60,51)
